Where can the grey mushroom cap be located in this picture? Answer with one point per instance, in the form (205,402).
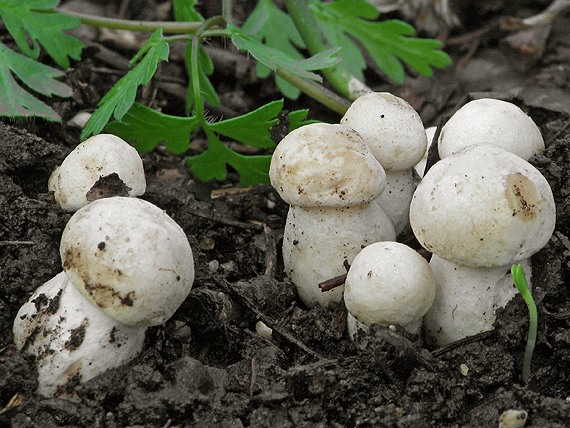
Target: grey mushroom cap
(390,126)
(99,156)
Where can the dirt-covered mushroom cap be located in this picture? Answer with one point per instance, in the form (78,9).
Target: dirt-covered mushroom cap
(99,156)
(390,127)
(483,207)
(389,283)
(129,258)
(320,165)
(491,121)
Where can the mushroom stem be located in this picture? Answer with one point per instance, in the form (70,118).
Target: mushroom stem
(467,299)
(72,340)
(317,240)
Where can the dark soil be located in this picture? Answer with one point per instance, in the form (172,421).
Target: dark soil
(206,367)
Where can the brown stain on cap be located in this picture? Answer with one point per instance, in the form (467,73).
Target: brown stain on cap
(522,196)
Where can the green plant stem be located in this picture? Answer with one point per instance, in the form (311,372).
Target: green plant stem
(316,91)
(168,27)
(186,30)
(200,34)
(338,76)
(522,285)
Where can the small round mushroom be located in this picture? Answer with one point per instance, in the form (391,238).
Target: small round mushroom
(129,258)
(390,127)
(389,283)
(491,121)
(98,157)
(396,136)
(72,340)
(329,177)
(479,211)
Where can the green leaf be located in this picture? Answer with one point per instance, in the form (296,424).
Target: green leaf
(275,59)
(149,128)
(34,22)
(184,11)
(274,28)
(121,97)
(17,102)
(297,119)
(388,42)
(212,164)
(252,128)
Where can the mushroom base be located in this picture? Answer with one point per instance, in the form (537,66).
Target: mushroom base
(354,326)
(72,340)
(318,240)
(396,198)
(467,299)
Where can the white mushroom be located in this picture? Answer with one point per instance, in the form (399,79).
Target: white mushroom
(395,134)
(129,258)
(388,283)
(97,157)
(127,265)
(491,121)
(420,167)
(329,177)
(72,340)
(482,207)
(467,299)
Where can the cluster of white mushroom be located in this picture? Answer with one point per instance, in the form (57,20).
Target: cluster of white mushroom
(480,209)
(126,265)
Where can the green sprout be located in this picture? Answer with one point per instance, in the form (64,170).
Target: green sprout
(522,285)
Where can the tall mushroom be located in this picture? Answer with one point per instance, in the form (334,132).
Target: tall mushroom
(127,265)
(329,177)
(396,136)
(479,211)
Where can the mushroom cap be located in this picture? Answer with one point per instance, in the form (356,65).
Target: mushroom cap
(483,207)
(390,127)
(325,165)
(96,157)
(129,258)
(71,339)
(491,121)
(389,283)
